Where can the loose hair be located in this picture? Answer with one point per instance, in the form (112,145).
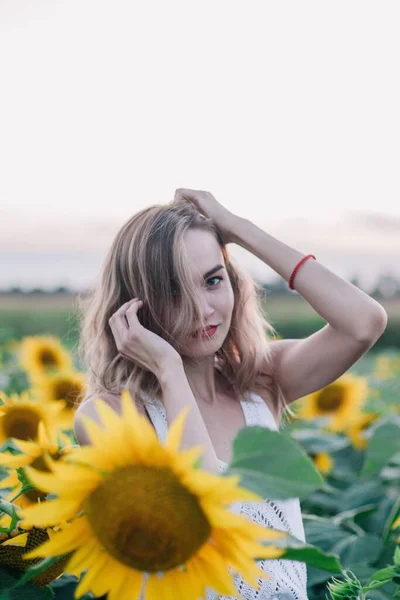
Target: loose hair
(148,260)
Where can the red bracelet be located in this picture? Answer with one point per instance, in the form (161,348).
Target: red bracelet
(297,267)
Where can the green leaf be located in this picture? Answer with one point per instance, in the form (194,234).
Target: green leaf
(12,511)
(315,441)
(383,575)
(358,549)
(396,559)
(354,512)
(322,532)
(295,549)
(394,512)
(360,493)
(8,580)
(273,465)
(383,445)
(26,484)
(9,444)
(38,568)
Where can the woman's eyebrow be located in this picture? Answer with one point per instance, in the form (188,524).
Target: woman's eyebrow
(213,270)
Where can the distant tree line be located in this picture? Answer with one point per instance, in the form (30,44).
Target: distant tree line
(386,287)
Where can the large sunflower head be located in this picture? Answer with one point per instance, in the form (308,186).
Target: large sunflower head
(41,355)
(142,513)
(68,386)
(22,414)
(339,401)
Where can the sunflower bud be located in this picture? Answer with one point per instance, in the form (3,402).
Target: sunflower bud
(349,589)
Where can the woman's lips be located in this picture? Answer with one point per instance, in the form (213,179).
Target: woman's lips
(208,332)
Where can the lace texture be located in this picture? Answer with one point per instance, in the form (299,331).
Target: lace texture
(288,578)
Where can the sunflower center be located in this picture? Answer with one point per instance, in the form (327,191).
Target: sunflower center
(48,359)
(330,399)
(21,423)
(145,518)
(68,391)
(34,494)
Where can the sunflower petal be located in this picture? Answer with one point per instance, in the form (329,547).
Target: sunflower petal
(216,571)
(92,457)
(175,430)
(177,585)
(80,560)
(138,428)
(196,584)
(112,571)
(49,513)
(132,587)
(10,481)
(57,485)
(108,416)
(15,460)
(94,431)
(155,587)
(66,540)
(26,446)
(71,473)
(44,439)
(18,540)
(91,574)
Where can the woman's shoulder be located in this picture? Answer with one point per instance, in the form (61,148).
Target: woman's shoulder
(88,406)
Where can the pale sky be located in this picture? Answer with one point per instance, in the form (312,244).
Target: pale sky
(288,112)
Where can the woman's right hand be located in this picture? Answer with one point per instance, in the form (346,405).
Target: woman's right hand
(138,344)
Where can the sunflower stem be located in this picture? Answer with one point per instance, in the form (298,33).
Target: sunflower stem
(21,491)
(10,510)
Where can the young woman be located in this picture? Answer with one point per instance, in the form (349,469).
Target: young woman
(177,322)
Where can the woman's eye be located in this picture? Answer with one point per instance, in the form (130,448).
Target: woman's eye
(217,277)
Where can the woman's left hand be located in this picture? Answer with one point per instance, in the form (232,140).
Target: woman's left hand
(208,206)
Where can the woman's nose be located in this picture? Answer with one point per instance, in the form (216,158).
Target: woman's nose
(208,310)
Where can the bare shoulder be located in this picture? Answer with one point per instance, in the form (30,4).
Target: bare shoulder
(88,408)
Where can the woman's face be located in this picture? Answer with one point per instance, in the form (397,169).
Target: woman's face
(214,290)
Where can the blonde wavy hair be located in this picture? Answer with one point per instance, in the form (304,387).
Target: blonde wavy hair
(148,260)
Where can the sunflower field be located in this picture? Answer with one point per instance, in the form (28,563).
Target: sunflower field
(87,522)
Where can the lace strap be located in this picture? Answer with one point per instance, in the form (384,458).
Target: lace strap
(258,413)
(156,411)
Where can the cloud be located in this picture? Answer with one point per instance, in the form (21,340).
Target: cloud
(356,232)
(381,222)
(51,234)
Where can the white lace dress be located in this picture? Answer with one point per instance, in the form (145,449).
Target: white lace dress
(288,578)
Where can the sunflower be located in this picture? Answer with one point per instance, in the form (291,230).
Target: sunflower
(323,462)
(15,544)
(144,514)
(340,401)
(33,454)
(356,429)
(22,415)
(41,355)
(67,385)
